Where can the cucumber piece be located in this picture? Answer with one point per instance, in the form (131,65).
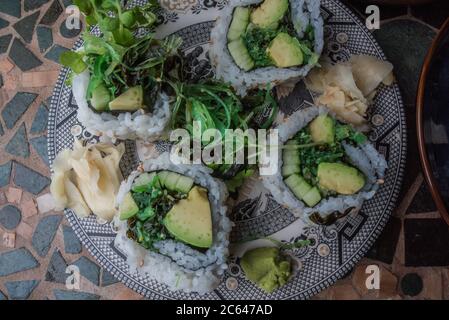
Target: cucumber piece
(288,170)
(162,177)
(128,208)
(298,185)
(240,20)
(240,54)
(172,180)
(289,145)
(144,179)
(130,100)
(292,181)
(100,98)
(184,184)
(302,188)
(291,157)
(312,197)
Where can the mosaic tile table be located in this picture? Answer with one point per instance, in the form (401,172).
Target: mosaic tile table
(36,247)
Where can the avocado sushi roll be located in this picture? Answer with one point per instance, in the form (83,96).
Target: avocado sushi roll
(172,224)
(118,73)
(325,167)
(255,43)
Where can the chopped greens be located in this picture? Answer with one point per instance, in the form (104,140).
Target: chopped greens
(215,106)
(312,154)
(121,60)
(264,35)
(147,227)
(257,41)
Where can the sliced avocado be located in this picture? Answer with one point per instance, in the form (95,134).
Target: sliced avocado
(240,20)
(285,51)
(340,178)
(269,13)
(312,197)
(100,98)
(240,54)
(190,220)
(128,208)
(322,129)
(130,100)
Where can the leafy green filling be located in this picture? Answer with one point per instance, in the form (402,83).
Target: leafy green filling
(312,154)
(147,226)
(257,40)
(121,59)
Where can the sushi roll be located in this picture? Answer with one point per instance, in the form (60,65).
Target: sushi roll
(130,121)
(326,168)
(117,75)
(172,225)
(255,43)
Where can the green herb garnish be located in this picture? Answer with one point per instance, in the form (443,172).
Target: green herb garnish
(147,226)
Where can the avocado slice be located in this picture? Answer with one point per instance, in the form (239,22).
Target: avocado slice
(240,20)
(130,100)
(322,129)
(190,219)
(128,208)
(285,51)
(268,14)
(340,178)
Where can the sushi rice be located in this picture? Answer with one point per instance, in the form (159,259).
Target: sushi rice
(303,13)
(125,125)
(178,265)
(364,157)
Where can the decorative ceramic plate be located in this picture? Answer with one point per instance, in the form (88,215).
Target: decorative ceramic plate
(334,249)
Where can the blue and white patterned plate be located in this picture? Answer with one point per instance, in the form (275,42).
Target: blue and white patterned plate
(335,249)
